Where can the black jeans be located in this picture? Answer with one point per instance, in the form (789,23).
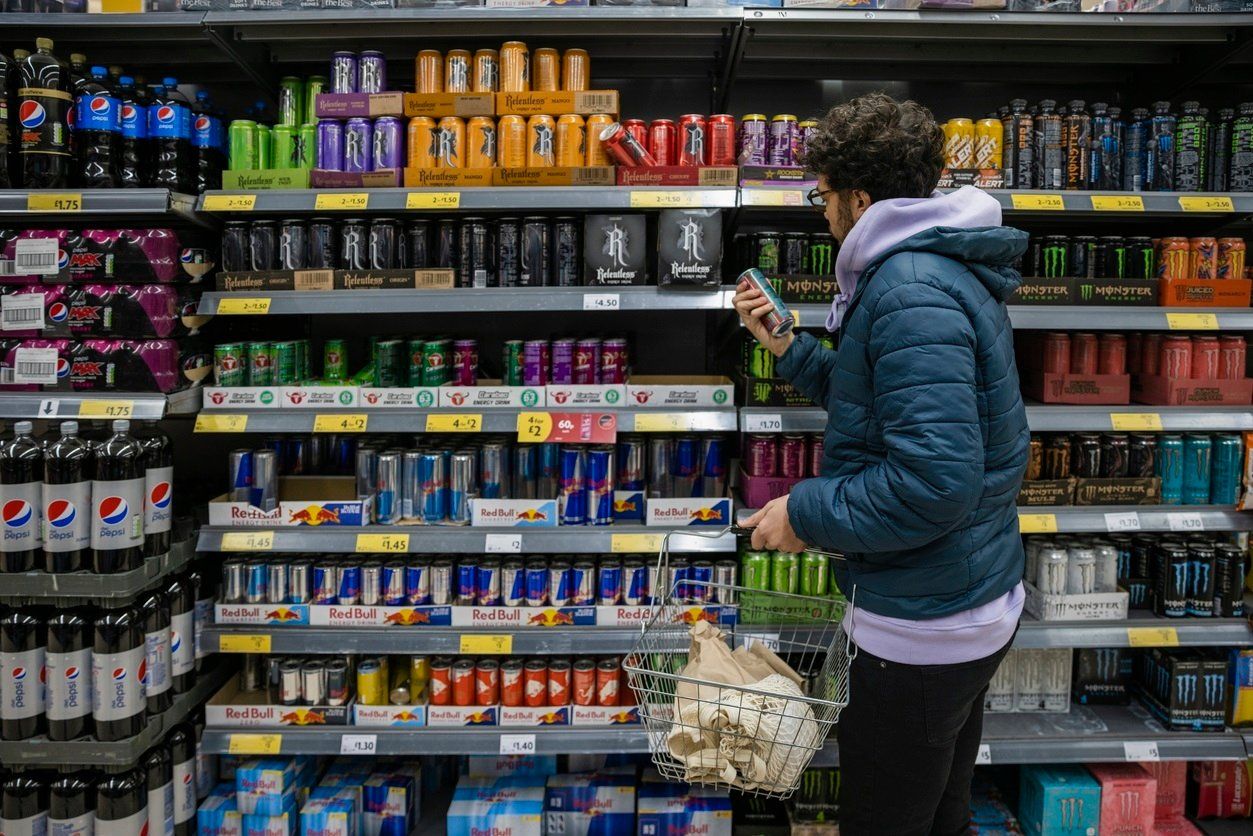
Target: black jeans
(908,741)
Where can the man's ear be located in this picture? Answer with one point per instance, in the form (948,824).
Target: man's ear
(859,202)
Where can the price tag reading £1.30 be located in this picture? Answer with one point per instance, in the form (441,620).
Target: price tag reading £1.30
(358,744)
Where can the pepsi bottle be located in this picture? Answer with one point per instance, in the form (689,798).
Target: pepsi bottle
(68,663)
(159,773)
(117,499)
(21,497)
(98,132)
(67,501)
(158,488)
(71,806)
(169,125)
(206,140)
(22,643)
(122,804)
(156,616)
(118,666)
(181,596)
(43,112)
(182,742)
(6,77)
(23,806)
(205,590)
(134,154)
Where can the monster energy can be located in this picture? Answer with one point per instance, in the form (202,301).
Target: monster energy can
(1056,252)
(822,254)
(760,361)
(766,251)
(785,570)
(813,581)
(755,570)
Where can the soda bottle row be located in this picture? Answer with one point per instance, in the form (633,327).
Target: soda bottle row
(1134,257)
(69,504)
(778,142)
(97,672)
(99,365)
(806,573)
(134,256)
(511,69)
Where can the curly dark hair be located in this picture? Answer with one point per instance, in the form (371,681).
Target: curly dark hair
(875,143)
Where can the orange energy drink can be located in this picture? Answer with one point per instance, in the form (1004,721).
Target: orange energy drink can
(463,682)
(486,76)
(487,682)
(989,136)
(545,70)
(1203,260)
(457,71)
(511,142)
(576,70)
(423,142)
(511,682)
(596,124)
(571,148)
(558,682)
(1173,258)
(480,143)
(430,71)
(452,142)
(1231,258)
(515,67)
(441,681)
(540,142)
(584,687)
(959,143)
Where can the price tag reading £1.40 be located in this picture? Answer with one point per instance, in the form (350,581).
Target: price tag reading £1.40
(517,744)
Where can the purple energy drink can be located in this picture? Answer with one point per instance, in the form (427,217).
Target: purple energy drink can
(513,583)
(325,584)
(571,486)
(330,145)
(753,141)
(613,361)
(371,72)
(418,584)
(536,583)
(348,585)
(358,145)
(563,362)
(389,143)
(535,362)
(392,585)
(599,480)
(779,142)
(587,362)
(465,357)
(343,72)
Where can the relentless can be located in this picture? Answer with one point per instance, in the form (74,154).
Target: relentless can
(358,145)
(389,144)
(541,142)
(429,71)
(515,67)
(480,148)
(422,145)
(457,71)
(511,141)
(624,149)
(451,140)
(485,77)
(720,139)
(593,129)
(662,135)
(570,143)
(344,72)
(242,142)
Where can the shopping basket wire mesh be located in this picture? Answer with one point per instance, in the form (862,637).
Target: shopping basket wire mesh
(756,738)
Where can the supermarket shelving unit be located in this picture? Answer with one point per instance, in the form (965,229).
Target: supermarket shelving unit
(150,204)
(53,405)
(84,587)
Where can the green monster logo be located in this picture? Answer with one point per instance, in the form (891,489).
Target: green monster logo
(1085,292)
(1054,262)
(820,259)
(761,392)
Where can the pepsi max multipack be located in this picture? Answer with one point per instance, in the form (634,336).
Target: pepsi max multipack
(131,310)
(136,256)
(99,365)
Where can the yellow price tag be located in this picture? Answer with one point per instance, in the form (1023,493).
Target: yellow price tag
(1192,321)
(247,541)
(1037,523)
(230,202)
(341,200)
(1136,421)
(454,422)
(486,644)
(206,423)
(534,426)
(56,202)
(244,644)
(664,200)
(106,409)
(631,543)
(382,543)
(433,200)
(662,422)
(1118,203)
(254,744)
(1050,202)
(1152,637)
(1199,203)
(244,305)
(354,422)
(773,197)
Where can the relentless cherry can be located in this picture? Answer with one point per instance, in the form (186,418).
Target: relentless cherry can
(637,128)
(661,135)
(693,149)
(623,148)
(721,139)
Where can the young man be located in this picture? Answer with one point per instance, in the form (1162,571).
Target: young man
(926,445)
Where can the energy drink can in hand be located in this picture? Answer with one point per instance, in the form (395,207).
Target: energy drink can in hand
(780,320)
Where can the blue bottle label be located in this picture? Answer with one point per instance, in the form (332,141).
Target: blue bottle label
(167,121)
(134,121)
(202,131)
(97,112)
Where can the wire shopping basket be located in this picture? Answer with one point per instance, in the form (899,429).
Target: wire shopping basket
(756,738)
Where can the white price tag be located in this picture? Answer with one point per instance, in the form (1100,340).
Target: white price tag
(1185,522)
(517,744)
(1140,750)
(1122,522)
(36,256)
(601,302)
(22,311)
(767,640)
(358,744)
(503,544)
(49,408)
(984,756)
(758,423)
(35,365)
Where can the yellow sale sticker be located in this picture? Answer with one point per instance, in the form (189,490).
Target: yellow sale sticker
(244,644)
(433,200)
(1152,637)
(254,744)
(247,541)
(54,202)
(1035,202)
(1192,321)
(534,426)
(382,543)
(230,202)
(773,197)
(454,422)
(106,409)
(662,422)
(1206,203)
(341,200)
(664,200)
(206,423)
(631,543)
(1037,523)
(244,305)
(1136,421)
(484,644)
(354,422)
(1118,203)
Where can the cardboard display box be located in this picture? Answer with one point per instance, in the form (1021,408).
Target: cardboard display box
(408,716)
(554,176)
(706,176)
(1095,606)
(1123,293)
(1198,293)
(1041,291)
(232,707)
(261,280)
(447,178)
(490,393)
(437,105)
(806,290)
(772,391)
(335,615)
(680,390)
(1166,391)
(1047,492)
(534,103)
(1142,490)
(581,395)
(303,500)
(791,176)
(698,511)
(383,178)
(1081,389)
(368,105)
(983,178)
(266,179)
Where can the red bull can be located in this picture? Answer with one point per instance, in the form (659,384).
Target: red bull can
(392,585)
(660,471)
(559,589)
(348,584)
(465,590)
(513,583)
(431,489)
(487,584)
(600,473)
(525,459)
(631,454)
(636,589)
(441,583)
(276,582)
(233,581)
(494,471)
(699,576)
(325,584)
(418,584)
(676,579)
(299,579)
(609,583)
(255,582)
(713,466)
(387,494)
(536,590)
(371,585)
(725,575)
(571,486)
(461,486)
(582,574)
(546,469)
(241,475)
(686,467)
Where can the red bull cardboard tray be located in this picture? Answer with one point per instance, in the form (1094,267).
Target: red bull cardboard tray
(359,616)
(454,716)
(303,500)
(514,513)
(286,615)
(520,617)
(703,511)
(512,618)
(406,716)
(232,707)
(623,616)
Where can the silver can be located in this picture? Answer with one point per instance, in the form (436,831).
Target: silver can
(299,580)
(371,584)
(313,682)
(441,583)
(233,581)
(462,487)
(265,480)
(276,591)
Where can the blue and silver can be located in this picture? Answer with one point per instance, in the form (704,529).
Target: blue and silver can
(559,589)
(536,590)
(547,470)
(1225,469)
(265,480)
(494,471)
(299,581)
(686,466)
(1197,456)
(431,488)
(441,583)
(572,486)
(371,584)
(466,585)
(713,466)
(241,475)
(367,472)
(513,583)
(387,488)
(582,577)
(348,584)
(1170,467)
(462,487)
(599,481)
(418,584)
(609,583)
(487,584)
(699,577)
(525,471)
(234,581)
(660,467)
(631,454)
(636,590)
(276,582)
(325,584)
(256,582)
(392,592)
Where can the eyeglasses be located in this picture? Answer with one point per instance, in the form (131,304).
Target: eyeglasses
(818,198)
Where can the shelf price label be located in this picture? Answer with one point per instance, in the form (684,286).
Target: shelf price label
(1038,202)
(339,201)
(106,409)
(1152,637)
(382,543)
(1185,522)
(254,744)
(1192,321)
(230,202)
(433,200)
(649,199)
(358,744)
(984,756)
(517,744)
(633,543)
(1136,421)
(1140,750)
(503,544)
(664,422)
(1206,203)
(55,202)
(455,422)
(353,422)
(757,423)
(244,305)
(1037,523)
(1122,522)
(771,196)
(1118,203)
(244,644)
(601,302)
(206,423)
(486,644)
(247,541)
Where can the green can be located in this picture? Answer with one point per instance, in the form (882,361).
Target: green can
(435,362)
(755,570)
(389,361)
(334,360)
(760,361)
(287,363)
(283,145)
(413,373)
(265,148)
(314,85)
(242,142)
(261,364)
(306,359)
(512,363)
(785,571)
(305,154)
(229,364)
(814,574)
(291,101)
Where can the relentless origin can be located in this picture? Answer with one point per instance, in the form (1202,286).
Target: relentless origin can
(358,145)
(780,320)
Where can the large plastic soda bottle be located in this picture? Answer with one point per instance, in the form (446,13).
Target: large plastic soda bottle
(134,155)
(22,643)
(117,499)
(68,662)
(122,802)
(160,771)
(23,803)
(6,77)
(182,598)
(79,74)
(155,609)
(67,501)
(43,108)
(182,742)
(21,497)
(158,488)
(169,124)
(72,804)
(97,132)
(118,664)
(206,140)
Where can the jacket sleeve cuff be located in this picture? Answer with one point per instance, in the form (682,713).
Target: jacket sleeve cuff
(799,497)
(794,359)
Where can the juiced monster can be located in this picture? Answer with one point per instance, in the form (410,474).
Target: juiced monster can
(389,143)
(358,145)
(780,320)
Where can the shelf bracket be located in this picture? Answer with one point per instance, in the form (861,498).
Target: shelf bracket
(253,60)
(735,51)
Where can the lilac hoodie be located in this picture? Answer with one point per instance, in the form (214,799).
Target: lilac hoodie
(979,632)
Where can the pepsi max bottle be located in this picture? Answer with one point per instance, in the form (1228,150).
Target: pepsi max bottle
(134,152)
(158,488)
(23,805)
(117,668)
(117,500)
(156,615)
(22,642)
(71,806)
(21,476)
(206,140)
(122,804)
(6,76)
(169,125)
(68,663)
(181,596)
(182,742)
(43,111)
(67,501)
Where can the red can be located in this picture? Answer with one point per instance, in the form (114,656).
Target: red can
(1174,258)
(1203,258)
(792,457)
(693,148)
(1230,258)
(1205,358)
(584,682)
(1151,353)
(1231,356)
(440,686)
(1176,357)
(1111,354)
(722,139)
(817,452)
(761,455)
(487,682)
(1083,354)
(623,148)
(463,682)
(511,682)
(535,683)
(558,681)
(1057,353)
(637,128)
(661,134)
(1135,344)
(608,679)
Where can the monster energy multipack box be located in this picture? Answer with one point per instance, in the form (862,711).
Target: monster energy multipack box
(614,250)
(1102,676)
(689,247)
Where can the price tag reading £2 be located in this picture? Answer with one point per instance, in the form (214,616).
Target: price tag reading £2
(503,544)
(517,744)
